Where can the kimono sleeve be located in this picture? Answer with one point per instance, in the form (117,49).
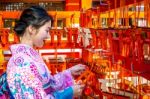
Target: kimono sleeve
(58,81)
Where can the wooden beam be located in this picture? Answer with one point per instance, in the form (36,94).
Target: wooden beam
(60,14)
(29,1)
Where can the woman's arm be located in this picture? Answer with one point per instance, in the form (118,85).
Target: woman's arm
(63,79)
(58,81)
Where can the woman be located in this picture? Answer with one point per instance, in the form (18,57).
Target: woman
(27,75)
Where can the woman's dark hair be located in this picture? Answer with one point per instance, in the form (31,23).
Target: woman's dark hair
(35,16)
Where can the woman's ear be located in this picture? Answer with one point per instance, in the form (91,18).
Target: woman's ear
(32,30)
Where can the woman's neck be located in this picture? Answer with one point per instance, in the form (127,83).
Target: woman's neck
(26,40)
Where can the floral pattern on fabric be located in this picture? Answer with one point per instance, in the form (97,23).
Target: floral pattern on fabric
(29,78)
(19,61)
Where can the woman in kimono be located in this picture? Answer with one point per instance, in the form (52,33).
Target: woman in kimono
(27,75)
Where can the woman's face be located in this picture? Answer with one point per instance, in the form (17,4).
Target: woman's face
(42,34)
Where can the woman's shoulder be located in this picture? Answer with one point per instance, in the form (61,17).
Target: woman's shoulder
(25,51)
(20,60)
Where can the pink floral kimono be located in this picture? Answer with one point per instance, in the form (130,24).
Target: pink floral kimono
(29,78)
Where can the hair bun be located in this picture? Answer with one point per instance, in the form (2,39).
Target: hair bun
(35,16)
(20,28)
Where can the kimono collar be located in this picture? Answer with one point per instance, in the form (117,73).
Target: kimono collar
(23,48)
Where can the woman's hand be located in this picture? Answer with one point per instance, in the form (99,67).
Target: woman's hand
(77,69)
(78,88)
